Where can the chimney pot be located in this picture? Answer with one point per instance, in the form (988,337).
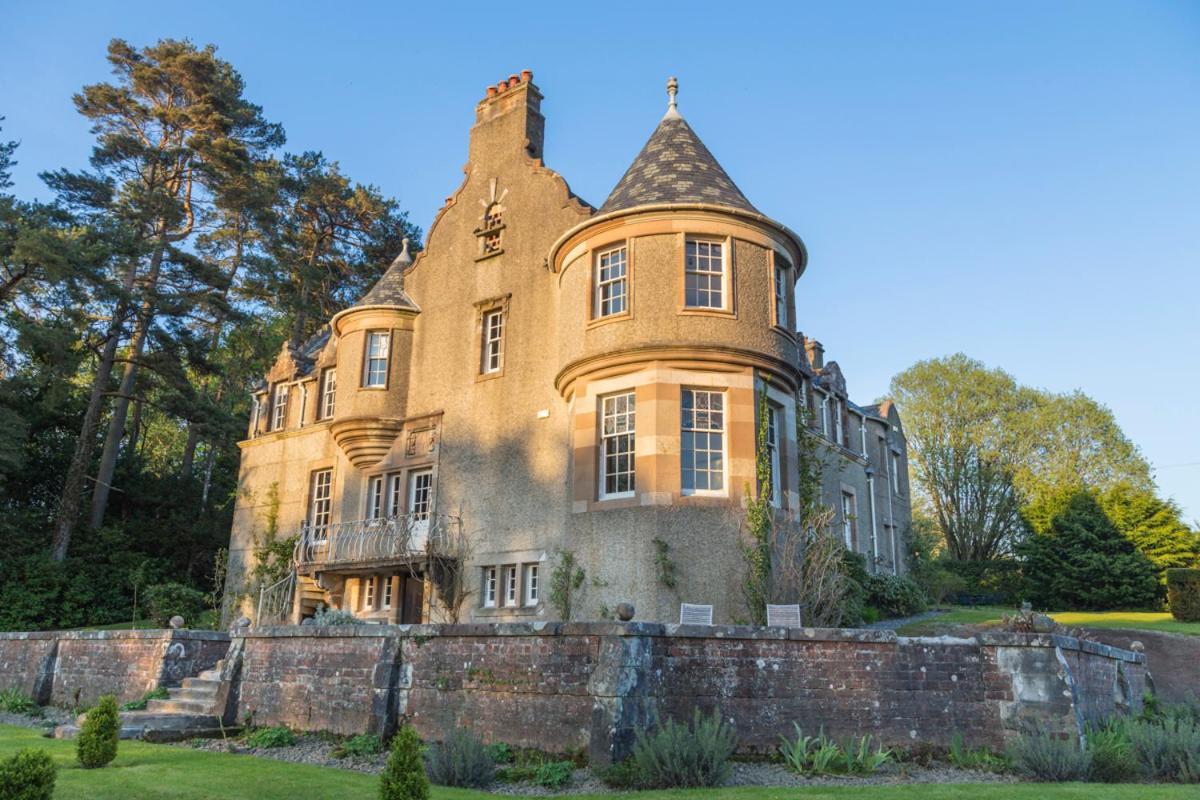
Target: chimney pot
(514,80)
(491,91)
(501,86)
(526,75)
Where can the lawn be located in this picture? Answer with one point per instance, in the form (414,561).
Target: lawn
(990,615)
(162,772)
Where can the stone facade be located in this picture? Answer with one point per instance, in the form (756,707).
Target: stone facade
(72,668)
(545,378)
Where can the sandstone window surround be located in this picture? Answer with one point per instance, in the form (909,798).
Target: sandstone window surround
(702,442)
(375,359)
(491,329)
(611,281)
(618,444)
(511,586)
(706,275)
(328,393)
(374,508)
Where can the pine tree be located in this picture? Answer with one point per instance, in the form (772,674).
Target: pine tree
(1080,560)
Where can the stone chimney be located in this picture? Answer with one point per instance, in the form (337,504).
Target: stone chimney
(815,352)
(507,118)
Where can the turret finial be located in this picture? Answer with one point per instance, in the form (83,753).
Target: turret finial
(672,90)
(404,259)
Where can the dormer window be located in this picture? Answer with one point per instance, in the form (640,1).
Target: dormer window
(704,274)
(279,397)
(375,364)
(328,392)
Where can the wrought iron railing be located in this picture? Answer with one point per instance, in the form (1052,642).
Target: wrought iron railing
(363,540)
(275,601)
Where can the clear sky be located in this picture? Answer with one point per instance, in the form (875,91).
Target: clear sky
(1018,181)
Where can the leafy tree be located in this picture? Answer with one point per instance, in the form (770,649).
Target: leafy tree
(1078,559)
(982,447)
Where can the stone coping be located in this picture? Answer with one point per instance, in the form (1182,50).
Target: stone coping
(153,633)
(654,629)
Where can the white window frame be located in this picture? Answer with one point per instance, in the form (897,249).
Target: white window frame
(838,427)
(781,299)
(895,470)
(385,592)
(618,428)
(824,405)
(369,592)
(279,402)
(511,594)
(612,289)
(420,494)
(375,486)
(320,501)
(394,502)
(328,392)
(774,418)
(489,587)
(708,430)
(530,582)
(849,518)
(491,358)
(375,359)
(703,261)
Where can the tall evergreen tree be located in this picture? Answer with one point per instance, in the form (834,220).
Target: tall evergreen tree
(172,132)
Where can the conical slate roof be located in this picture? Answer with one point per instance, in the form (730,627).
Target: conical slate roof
(675,167)
(389,289)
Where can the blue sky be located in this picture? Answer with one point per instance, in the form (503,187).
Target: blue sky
(1019,181)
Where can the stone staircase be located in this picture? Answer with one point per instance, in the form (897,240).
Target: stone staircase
(196,709)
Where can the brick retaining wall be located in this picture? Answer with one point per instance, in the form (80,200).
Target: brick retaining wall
(53,666)
(591,686)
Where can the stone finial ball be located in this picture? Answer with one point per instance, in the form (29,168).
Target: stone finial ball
(176,622)
(242,622)
(1137,646)
(624,611)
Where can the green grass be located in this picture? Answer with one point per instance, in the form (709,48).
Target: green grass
(161,772)
(207,621)
(990,615)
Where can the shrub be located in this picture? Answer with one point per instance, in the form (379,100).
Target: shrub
(140,705)
(268,738)
(1043,757)
(14,701)
(1167,749)
(333,616)
(28,775)
(811,755)
(554,774)
(964,757)
(681,756)
(863,757)
(894,595)
(1113,760)
(97,742)
(501,753)
(460,760)
(363,745)
(404,776)
(624,775)
(165,600)
(1183,594)
(996,582)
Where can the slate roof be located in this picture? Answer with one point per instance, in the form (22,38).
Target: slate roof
(675,167)
(389,289)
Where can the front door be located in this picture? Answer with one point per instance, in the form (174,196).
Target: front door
(414,597)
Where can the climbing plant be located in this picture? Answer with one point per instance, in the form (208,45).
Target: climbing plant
(756,547)
(565,582)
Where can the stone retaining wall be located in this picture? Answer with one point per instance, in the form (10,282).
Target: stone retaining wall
(69,668)
(591,686)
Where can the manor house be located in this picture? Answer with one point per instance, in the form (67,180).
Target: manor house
(549,383)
